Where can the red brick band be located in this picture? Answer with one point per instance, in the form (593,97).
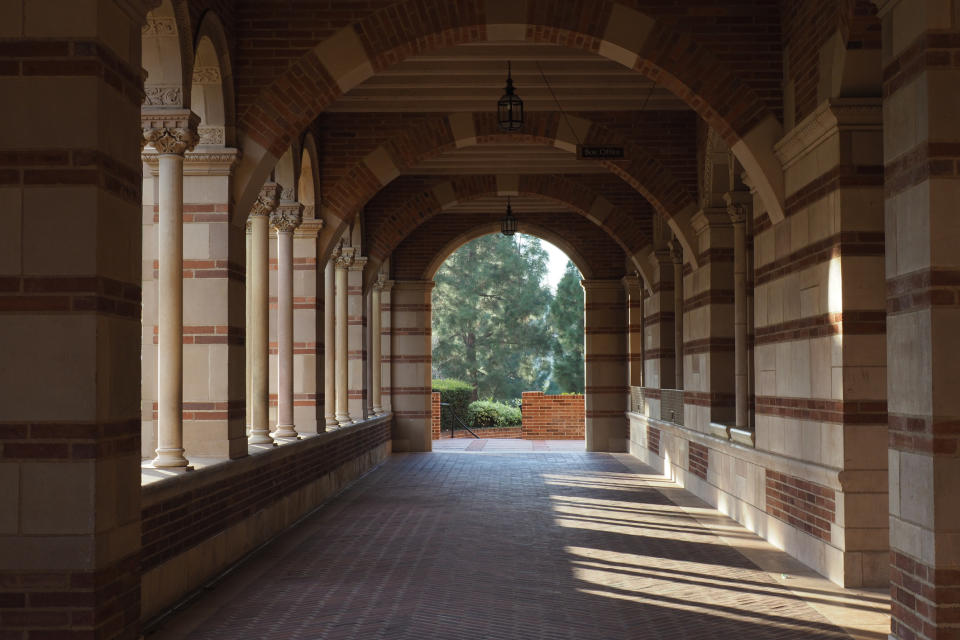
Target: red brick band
(68,440)
(698,459)
(69,294)
(711,297)
(805,505)
(923,599)
(846,243)
(653,440)
(923,434)
(827,324)
(837,411)
(837,178)
(924,289)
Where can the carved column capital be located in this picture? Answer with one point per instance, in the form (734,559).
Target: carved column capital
(344,258)
(739,204)
(359,263)
(267,200)
(287,216)
(170,131)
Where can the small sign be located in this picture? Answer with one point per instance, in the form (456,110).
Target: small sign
(601,153)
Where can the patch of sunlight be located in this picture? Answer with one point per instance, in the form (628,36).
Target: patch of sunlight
(835,287)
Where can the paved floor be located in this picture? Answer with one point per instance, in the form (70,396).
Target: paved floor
(501,544)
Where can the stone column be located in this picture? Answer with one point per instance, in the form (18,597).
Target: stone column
(248,324)
(176,134)
(375,343)
(259,347)
(676,252)
(356,340)
(410,307)
(342,262)
(737,209)
(605,365)
(386,346)
(329,347)
(921,149)
(308,367)
(659,336)
(285,219)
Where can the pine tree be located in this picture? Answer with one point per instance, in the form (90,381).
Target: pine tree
(566,320)
(490,317)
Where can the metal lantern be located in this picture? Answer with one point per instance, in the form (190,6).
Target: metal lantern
(510,107)
(508,226)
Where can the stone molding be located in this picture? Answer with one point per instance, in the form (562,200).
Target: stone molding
(267,200)
(358,264)
(709,219)
(169,131)
(309,228)
(287,216)
(163,96)
(602,285)
(857,114)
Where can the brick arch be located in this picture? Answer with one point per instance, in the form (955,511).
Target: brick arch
(429,137)
(610,29)
(424,250)
(529,228)
(388,232)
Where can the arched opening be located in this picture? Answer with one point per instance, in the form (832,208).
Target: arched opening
(507,337)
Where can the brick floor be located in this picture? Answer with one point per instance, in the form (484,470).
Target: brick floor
(501,545)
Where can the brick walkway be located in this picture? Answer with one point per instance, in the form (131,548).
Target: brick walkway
(499,545)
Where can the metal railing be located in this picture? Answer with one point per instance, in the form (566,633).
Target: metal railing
(455,419)
(671,405)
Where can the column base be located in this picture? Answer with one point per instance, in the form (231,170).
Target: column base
(343,421)
(170,459)
(260,436)
(286,431)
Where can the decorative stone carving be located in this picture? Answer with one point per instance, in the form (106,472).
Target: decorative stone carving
(159,27)
(287,217)
(267,200)
(163,96)
(211,135)
(738,205)
(287,194)
(206,75)
(344,258)
(177,140)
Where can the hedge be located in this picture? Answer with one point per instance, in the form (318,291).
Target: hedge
(487,413)
(458,394)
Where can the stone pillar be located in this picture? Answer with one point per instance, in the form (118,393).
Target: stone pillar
(70,249)
(248,323)
(342,262)
(375,343)
(176,133)
(605,365)
(356,340)
(386,345)
(678,292)
(259,347)
(709,393)
(410,308)
(329,347)
(659,337)
(738,209)
(285,219)
(633,285)
(308,367)
(921,148)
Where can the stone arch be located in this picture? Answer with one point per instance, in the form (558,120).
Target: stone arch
(212,95)
(384,238)
(167,55)
(430,137)
(539,231)
(610,29)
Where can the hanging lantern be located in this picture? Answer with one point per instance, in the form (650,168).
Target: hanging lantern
(510,107)
(508,226)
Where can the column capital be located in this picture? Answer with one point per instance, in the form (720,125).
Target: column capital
(601,285)
(343,258)
(383,285)
(267,200)
(633,284)
(170,131)
(739,204)
(710,218)
(287,216)
(309,228)
(359,263)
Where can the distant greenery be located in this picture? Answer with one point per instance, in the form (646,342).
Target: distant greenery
(458,394)
(497,325)
(488,413)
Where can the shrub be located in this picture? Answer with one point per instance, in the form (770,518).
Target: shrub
(487,413)
(458,394)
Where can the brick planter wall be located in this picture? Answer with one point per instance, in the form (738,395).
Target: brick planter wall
(435,415)
(552,417)
(490,432)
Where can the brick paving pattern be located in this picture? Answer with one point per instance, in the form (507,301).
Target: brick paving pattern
(502,545)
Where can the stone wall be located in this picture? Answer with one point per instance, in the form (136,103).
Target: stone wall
(547,417)
(197,524)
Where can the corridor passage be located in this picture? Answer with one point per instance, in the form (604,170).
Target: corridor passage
(499,544)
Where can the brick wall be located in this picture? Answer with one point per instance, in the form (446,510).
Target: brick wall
(698,459)
(807,506)
(202,522)
(552,417)
(435,414)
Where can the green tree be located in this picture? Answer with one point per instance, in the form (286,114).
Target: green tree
(566,320)
(490,317)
